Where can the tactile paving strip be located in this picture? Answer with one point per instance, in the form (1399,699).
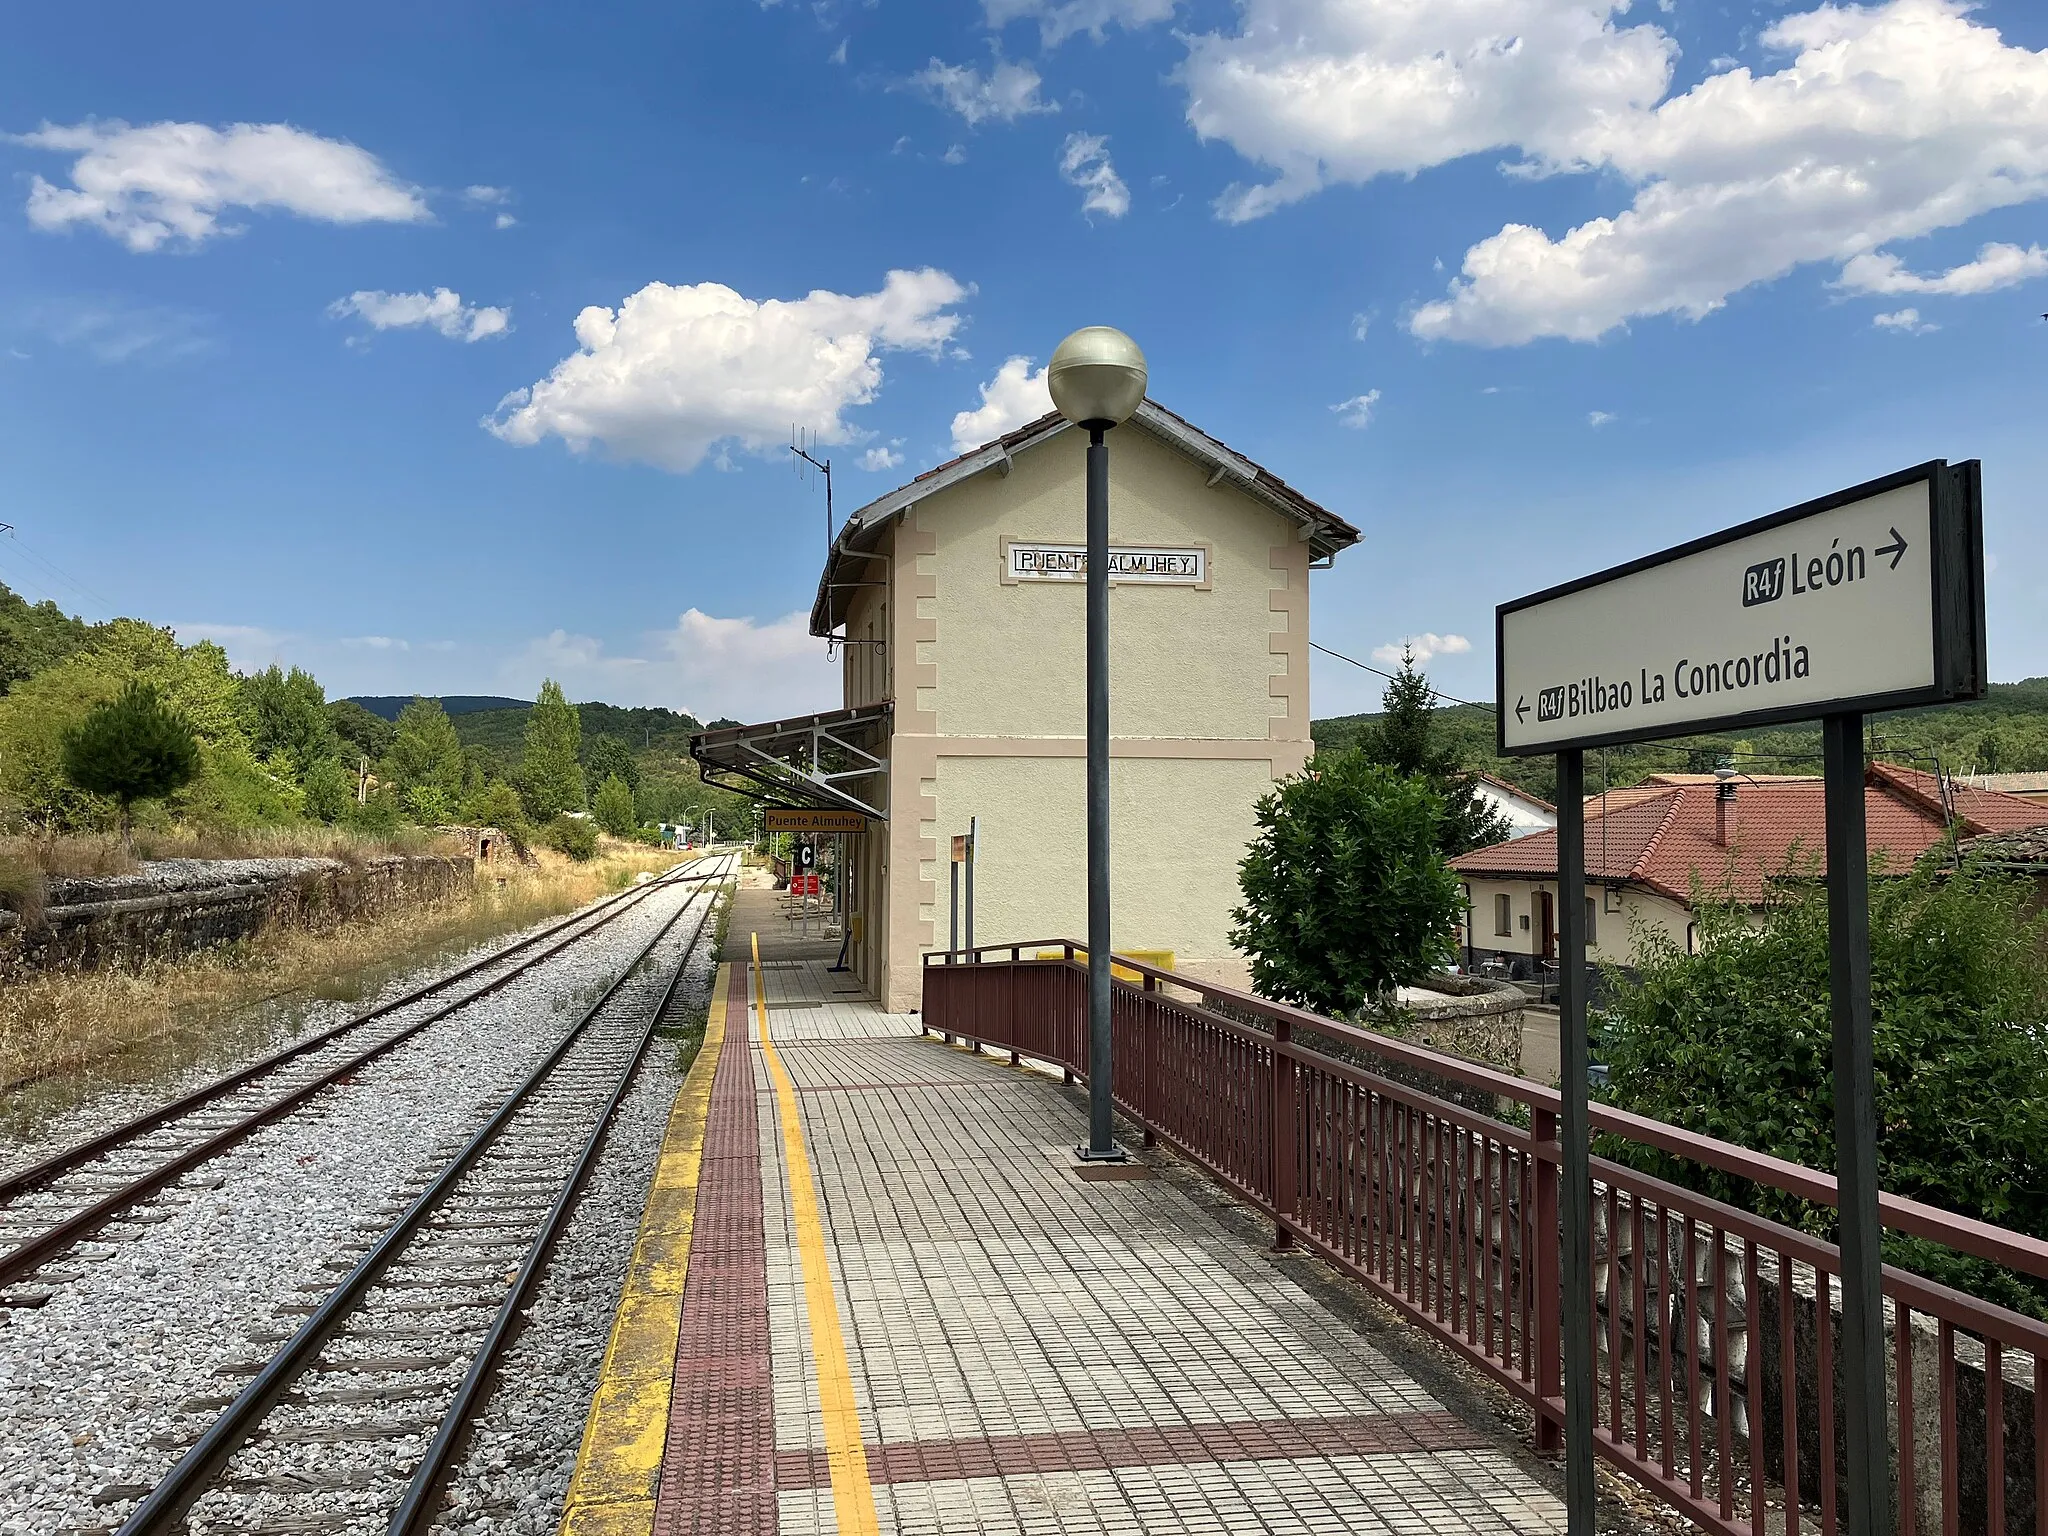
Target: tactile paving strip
(719,1470)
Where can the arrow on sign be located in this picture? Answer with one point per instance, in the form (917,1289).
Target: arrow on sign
(1896,549)
(1521,709)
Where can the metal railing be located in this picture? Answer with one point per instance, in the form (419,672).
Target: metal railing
(1717,1331)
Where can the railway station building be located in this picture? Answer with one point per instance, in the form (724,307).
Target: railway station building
(956,604)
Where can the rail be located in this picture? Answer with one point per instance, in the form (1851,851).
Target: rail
(1717,1331)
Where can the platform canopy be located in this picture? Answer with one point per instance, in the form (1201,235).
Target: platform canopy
(837,761)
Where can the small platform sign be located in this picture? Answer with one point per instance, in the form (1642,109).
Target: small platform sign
(1869,599)
(780,818)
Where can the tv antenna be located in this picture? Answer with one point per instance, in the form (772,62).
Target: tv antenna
(800,441)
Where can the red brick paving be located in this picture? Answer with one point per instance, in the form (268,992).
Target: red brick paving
(920,1461)
(718,1473)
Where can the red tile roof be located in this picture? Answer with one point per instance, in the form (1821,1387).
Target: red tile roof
(1664,832)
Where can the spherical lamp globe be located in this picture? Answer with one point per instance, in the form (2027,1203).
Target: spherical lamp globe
(1097,377)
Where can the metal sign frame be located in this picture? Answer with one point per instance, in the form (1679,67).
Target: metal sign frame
(1956,572)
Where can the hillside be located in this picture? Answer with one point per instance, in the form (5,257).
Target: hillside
(2004,732)
(387,706)
(655,733)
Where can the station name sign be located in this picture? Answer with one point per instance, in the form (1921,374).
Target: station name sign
(1869,599)
(788,819)
(1154,564)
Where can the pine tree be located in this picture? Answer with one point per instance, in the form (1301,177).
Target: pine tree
(131,748)
(1405,739)
(551,777)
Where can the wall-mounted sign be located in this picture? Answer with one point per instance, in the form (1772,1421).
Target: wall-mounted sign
(780,818)
(959,847)
(1178,565)
(1869,599)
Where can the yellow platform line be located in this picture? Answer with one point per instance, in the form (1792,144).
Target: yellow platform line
(618,1466)
(853,1495)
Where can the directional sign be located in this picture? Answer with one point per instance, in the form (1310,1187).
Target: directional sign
(1869,599)
(781,818)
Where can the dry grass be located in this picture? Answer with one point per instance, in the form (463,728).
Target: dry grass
(55,1023)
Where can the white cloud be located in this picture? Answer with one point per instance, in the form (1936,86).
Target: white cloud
(170,183)
(883,456)
(378,642)
(1905,321)
(711,666)
(1997,266)
(1889,122)
(956,154)
(1425,647)
(1325,91)
(1356,412)
(485,197)
(442,310)
(1007,92)
(503,221)
(1010,399)
(1059,20)
(1084,163)
(838,55)
(250,647)
(1878,124)
(1598,419)
(674,370)
(1360,325)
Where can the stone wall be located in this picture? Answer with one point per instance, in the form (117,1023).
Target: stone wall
(176,906)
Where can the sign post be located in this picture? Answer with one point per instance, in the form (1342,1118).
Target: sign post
(1866,600)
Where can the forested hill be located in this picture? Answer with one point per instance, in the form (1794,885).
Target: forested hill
(2004,732)
(503,731)
(387,706)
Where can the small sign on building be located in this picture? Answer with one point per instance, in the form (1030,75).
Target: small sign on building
(1182,565)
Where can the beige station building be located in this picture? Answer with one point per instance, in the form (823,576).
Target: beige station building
(956,602)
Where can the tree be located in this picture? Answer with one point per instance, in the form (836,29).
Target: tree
(131,748)
(497,805)
(607,757)
(424,765)
(1733,1042)
(1406,739)
(285,714)
(1346,896)
(367,735)
(574,835)
(613,808)
(35,636)
(551,778)
(330,789)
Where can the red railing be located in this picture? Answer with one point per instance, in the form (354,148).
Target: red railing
(1716,1330)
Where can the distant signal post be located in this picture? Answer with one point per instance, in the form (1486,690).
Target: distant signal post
(1870,599)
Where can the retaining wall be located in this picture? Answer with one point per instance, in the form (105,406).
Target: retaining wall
(176,906)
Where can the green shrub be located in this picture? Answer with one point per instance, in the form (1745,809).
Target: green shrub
(330,790)
(1735,1042)
(613,808)
(574,835)
(1345,894)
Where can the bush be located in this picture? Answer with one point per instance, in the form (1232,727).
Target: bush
(378,816)
(1345,894)
(330,790)
(613,808)
(1735,1042)
(573,835)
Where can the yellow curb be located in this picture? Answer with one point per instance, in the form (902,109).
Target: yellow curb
(853,1494)
(618,1466)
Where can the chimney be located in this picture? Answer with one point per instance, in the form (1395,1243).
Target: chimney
(1724,806)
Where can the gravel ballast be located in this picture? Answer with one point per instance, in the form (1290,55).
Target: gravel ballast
(147,1330)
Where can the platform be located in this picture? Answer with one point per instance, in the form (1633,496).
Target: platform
(871,1295)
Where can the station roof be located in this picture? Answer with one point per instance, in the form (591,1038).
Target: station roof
(1321,529)
(830,761)
(1664,832)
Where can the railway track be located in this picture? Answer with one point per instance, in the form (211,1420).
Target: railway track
(354,1422)
(62,1200)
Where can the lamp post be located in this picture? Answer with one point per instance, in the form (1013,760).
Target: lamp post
(1097,379)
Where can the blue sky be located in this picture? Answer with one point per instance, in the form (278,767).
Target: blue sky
(1521,287)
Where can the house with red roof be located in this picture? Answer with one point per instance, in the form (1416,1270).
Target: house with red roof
(1650,845)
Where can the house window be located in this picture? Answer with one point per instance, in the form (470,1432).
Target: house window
(1592,923)
(1503,917)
